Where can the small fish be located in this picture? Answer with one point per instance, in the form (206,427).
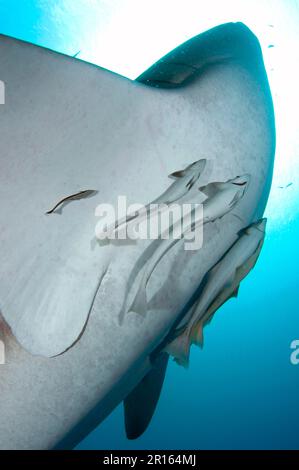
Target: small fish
(286,186)
(184,180)
(73,197)
(221,198)
(270,46)
(221,283)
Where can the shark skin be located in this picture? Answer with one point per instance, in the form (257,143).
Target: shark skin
(69,126)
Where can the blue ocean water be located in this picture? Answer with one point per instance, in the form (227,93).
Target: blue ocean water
(241,390)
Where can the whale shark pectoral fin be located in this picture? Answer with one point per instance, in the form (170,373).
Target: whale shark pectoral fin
(140,404)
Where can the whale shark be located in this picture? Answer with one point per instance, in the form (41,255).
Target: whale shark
(68,127)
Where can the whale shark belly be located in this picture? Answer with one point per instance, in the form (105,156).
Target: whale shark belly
(126,138)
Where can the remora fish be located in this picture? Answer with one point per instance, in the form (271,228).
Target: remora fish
(221,199)
(185,180)
(221,283)
(210,96)
(73,197)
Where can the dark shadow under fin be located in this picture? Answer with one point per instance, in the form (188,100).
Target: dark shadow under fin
(140,404)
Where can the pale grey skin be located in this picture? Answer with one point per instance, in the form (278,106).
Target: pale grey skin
(67,126)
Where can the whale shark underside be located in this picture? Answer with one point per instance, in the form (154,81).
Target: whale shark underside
(74,136)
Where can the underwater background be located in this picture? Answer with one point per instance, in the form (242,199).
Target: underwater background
(241,390)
